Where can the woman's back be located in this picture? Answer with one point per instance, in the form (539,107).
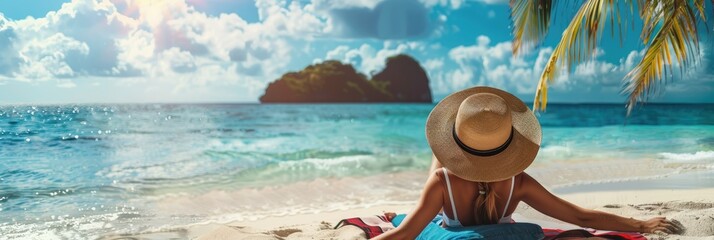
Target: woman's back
(464,195)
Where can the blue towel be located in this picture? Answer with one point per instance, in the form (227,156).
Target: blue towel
(510,231)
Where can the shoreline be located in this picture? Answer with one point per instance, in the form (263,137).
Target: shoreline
(693,207)
(338,194)
(679,181)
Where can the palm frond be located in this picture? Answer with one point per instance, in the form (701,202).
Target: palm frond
(577,44)
(674,25)
(530,20)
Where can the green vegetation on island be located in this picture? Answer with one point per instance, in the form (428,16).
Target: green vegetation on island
(402,80)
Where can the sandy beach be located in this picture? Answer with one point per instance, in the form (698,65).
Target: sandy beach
(692,208)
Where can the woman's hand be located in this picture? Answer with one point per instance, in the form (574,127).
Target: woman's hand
(389,216)
(659,224)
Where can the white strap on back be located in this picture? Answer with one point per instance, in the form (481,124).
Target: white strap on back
(448,186)
(513,180)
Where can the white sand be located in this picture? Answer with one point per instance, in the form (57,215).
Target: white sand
(693,208)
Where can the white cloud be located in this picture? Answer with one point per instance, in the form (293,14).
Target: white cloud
(483,64)
(433,64)
(44,59)
(326,5)
(456,4)
(493,1)
(366,58)
(280,18)
(154,43)
(137,55)
(453,4)
(176,60)
(486,64)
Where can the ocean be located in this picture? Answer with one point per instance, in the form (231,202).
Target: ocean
(84,171)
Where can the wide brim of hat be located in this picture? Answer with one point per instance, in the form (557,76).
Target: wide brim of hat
(519,154)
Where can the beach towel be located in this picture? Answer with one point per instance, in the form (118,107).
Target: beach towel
(554,234)
(512,231)
(375,225)
(372,225)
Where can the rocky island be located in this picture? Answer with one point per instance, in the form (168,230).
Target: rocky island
(402,80)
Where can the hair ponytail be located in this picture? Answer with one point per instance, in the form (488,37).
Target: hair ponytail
(485,205)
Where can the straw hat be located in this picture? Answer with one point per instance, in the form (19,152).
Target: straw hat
(483,134)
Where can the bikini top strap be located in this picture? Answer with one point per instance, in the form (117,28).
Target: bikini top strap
(451,197)
(513,181)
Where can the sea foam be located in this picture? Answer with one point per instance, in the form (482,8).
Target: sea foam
(687,157)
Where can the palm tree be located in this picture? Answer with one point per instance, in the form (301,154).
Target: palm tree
(669,28)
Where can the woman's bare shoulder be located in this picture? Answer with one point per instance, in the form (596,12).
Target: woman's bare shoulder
(438,171)
(524,180)
(453,179)
(521,183)
(520,178)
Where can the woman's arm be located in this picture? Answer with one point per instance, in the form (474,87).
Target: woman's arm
(429,205)
(536,196)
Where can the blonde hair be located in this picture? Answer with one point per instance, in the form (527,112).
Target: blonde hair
(485,205)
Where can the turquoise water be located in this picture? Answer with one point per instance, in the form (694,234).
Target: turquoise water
(83,171)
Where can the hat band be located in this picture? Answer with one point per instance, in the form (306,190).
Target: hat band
(482,153)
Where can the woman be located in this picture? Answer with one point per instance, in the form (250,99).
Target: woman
(483,139)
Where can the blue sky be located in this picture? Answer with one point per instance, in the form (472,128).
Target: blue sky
(97,51)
